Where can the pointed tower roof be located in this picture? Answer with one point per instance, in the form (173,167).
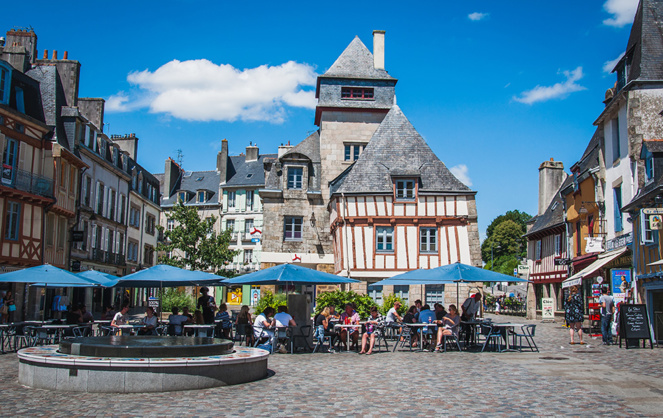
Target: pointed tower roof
(397,150)
(645,44)
(356,62)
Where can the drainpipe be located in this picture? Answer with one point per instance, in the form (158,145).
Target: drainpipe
(345,237)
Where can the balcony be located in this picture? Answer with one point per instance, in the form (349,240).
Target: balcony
(108,257)
(29,182)
(98,255)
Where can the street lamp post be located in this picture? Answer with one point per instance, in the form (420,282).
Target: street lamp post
(492,262)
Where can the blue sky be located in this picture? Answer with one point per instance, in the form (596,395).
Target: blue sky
(495,87)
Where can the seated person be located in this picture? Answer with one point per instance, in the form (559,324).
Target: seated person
(392,315)
(283,318)
(426,316)
(74,315)
(262,325)
(175,320)
(109,313)
(409,318)
(332,313)
(198,318)
(225,325)
(121,318)
(440,312)
(150,321)
(350,316)
(185,312)
(448,325)
(321,324)
(373,324)
(243,322)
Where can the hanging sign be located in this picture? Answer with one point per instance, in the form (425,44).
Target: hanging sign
(234,296)
(655,222)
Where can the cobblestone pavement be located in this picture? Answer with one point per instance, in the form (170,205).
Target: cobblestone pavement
(560,380)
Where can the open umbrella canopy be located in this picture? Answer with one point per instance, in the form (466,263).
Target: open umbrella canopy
(104,279)
(163,275)
(451,273)
(289,273)
(46,276)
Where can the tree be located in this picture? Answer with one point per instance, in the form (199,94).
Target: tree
(504,244)
(193,243)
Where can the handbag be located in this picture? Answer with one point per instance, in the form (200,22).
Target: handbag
(12,308)
(3,310)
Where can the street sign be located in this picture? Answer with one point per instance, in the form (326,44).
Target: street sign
(75,265)
(255,239)
(77,236)
(562,261)
(653,211)
(153,303)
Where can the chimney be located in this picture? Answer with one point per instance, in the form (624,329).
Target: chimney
(66,55)
(55,55)
(127,143)
(251,153)
(378,49)
(551,176)
(170,177)
(222,161)
(45,54)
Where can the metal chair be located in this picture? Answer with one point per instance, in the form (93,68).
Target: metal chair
(380,338)
(23,335)
(106,331)
(404,337)
(527,332)
(490,334)
(243,332)
(162,329)
(283,335)
(453,338)
(304,334)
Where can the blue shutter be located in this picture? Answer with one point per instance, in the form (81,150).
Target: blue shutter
(617,193)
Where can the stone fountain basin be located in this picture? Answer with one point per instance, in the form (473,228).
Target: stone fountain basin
(145,346)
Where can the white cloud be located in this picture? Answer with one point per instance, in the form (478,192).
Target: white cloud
(477,16)
(203,91)
(622,12)
(609,65)
(461,173)
(559,90)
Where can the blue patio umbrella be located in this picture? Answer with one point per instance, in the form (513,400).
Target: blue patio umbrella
(289,274)
(104,279)
(451,273)
(163,275)
(46,276)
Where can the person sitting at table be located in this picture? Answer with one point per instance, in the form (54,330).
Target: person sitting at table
(439,310)
(392,314)
(244,320)
(449,325)
(121,318)
(198,318)
(419,307)
(332,312)
(409,318)
(372,329)
(350,317)
(262,325)
(175,321)
(224,326)
(427,316)
(283,318)
(109,313)
(321,324)
(150,321)
(185,312)
(74,315)
(470,309)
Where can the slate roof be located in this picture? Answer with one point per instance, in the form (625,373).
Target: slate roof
(194,181)
(309,147)
(356,62)
(554,214)
(243,173)
(646,42)
(397,149)
(52,100)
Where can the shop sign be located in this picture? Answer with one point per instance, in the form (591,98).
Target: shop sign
(153,303)
(653,211)
(621,241)
(255,296)
(594,245)
(234,296)
(655,222)
(77,236)
(621,280)
(547,309)
(562,261)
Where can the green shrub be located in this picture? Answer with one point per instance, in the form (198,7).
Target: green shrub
(175,297)
(388,303)
(268,298)
(339,299)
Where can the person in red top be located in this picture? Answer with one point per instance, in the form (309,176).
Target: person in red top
(350,316)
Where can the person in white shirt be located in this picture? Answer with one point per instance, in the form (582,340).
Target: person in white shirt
(392,314)
(120,318)
(283,318)
(150,321)
(262,325)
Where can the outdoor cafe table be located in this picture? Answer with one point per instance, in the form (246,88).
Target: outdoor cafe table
(506,327)
(59,329)
(348,326)
(129,327)
(200,330)
(420,330)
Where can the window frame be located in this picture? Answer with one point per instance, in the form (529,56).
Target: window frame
(232,199)
(648,236)
(401,193)
(250,199)
(290,226)
(293,183)
(428,232)
(357,93)
(557,243)
(12,221)
(617,209)
(5,159)
(384,236)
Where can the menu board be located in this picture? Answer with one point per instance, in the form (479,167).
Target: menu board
(634,322)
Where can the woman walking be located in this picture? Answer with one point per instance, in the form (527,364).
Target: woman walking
(574,309)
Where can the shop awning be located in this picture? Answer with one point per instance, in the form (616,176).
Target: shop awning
(601,261)
(656,263)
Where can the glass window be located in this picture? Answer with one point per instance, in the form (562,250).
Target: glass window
(434,294)
(352,151)
(230,225)
(558,245)
(182,197)
(375,292)
(100,199)
(4,85)
(428,240)
(616,146)
(403,292)
(249,199)
(170,224)
(12,220)
(248,256)
(232,199)
(123,204)
(293,228)
(83,244)
(201,197)
(647,234)
(384,238)
(537,254)
(649,166)
(405,190)
(617,193)
(111,204)
(248,227)
(9,161)
(295,178)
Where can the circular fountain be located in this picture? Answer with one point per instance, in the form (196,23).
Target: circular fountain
(140,364)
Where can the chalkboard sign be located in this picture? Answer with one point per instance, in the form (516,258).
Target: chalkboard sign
(634,324)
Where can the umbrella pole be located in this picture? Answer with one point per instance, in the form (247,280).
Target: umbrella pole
(457,294)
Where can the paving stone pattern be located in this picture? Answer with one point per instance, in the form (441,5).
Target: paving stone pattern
(574,380)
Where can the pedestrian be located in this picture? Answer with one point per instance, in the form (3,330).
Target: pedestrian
(607,303)
(8,307)
(574,309)
(207,304)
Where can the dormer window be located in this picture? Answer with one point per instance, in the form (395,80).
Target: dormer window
(202,196)
(357,93)
(649,166)
(405,189)
(295,175)
(4,85)
(182,197)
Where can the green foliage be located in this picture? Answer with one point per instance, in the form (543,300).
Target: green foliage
(339,299)
(193,242)
(175,297)
(504,245)
(267,298)
(388,303)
